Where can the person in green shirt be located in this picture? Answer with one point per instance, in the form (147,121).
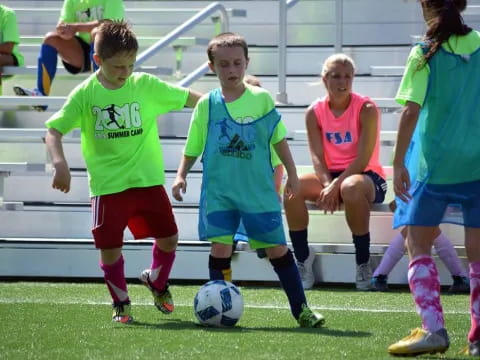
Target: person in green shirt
(72,40)
(234,128)
(436,172)
(9,40)
(116,111)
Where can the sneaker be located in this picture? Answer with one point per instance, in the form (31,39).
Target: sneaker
(121,312)
(421,342)
(306,270)
(162,299)
(364,276)
(379,283)
(461,285)
(309,319)
(472,349)
(21,91)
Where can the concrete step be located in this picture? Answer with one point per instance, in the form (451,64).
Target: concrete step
(310,22)
(79,259)
(301,90)
(301,60)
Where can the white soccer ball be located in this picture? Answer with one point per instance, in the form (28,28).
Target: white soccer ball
(218,303)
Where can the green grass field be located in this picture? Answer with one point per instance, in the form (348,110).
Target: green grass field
(73,321)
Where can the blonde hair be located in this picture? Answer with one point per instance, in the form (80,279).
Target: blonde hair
(336,58)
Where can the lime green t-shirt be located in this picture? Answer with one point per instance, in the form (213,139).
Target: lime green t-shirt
(119,133)
(254,103)
(413,86)
(9,31)
(83,11)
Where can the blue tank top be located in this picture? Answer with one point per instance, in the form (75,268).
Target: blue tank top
(448,148)
(237,169)
(445,146)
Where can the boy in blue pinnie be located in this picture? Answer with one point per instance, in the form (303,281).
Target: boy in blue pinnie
(233,127)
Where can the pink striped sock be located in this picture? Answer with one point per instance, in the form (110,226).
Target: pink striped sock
(474,334)
(395,251)
(162,263)
(425,287)
(114,276)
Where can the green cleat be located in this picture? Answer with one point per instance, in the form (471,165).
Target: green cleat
(162,299)
(121,312)
(309,319)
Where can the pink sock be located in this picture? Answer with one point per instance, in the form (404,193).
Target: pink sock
(474,334)
(448,255)
(114,276)
(161,266)
(425,287)
(392,256)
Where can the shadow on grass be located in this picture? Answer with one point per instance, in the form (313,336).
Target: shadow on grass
(178,324)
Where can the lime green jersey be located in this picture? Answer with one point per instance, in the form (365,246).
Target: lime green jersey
(119,133)
(254,103)
(83,11)
(413,86)
(9,31)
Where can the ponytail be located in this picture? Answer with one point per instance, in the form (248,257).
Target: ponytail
(447,22)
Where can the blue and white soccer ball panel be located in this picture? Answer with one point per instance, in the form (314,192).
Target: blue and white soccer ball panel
(218,303)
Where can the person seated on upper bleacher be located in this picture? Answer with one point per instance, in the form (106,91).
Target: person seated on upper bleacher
(72,40)
(343,135)
(9,39)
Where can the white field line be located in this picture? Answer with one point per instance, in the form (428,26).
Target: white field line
(251,306)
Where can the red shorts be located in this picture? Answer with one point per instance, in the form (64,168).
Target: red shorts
(146,211)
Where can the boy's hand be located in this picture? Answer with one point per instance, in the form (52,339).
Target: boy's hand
(179,187)
(61,177)
(292,188)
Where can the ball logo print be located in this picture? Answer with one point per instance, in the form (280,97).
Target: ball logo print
(218,303)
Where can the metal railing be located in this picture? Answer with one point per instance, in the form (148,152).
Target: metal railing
(186,26)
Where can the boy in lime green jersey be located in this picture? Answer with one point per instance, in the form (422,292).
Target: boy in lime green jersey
(72,41)
(116,111)
(9,40)
(233,128)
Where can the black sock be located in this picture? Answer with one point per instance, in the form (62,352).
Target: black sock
(289,277)
(220,268)
(362,248)
(299,239)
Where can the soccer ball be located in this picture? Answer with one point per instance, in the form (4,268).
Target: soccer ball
(218,303)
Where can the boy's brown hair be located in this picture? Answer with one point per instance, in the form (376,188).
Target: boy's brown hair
(114,37)
(227,39)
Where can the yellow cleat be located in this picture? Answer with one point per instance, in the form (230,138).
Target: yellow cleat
(421,341)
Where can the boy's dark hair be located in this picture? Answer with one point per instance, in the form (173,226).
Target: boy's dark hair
(447,22)
(114,37)
(227,39)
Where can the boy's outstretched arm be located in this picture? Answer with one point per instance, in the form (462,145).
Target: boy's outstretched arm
(192,99)
(292,187)
(180,184)
(61,176)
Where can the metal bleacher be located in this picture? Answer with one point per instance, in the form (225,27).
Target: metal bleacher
(45,233)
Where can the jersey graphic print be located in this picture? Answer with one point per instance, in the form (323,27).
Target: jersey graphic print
(90,14)
(113,121)
(338,138)
(235,140)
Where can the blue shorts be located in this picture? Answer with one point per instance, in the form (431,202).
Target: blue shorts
(379,183)
(221,226)
(433,204)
